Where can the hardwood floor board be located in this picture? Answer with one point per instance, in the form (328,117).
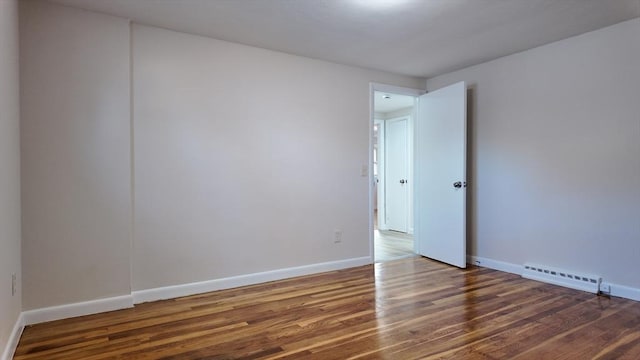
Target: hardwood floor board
(557,335)
(351,348)
(61,350)
(145,342)
(334,343)
(456,332)
(604,331)
(379,352)
(307,337)
(405,309)
(404,331)
(146,348)
(501,346)
(247,344)
(338,297)
(392,245)
(393,335)
(467,321)
(176,321)
(625,348)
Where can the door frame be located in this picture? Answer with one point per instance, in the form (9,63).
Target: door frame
(379,186)
(373,87)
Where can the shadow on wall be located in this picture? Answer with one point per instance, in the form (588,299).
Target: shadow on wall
(471,173)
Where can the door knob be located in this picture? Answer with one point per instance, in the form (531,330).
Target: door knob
(402,181)
(457,184)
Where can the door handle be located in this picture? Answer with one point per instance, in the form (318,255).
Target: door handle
(457,184)
(402,181)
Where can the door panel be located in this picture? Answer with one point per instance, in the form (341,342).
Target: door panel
(396,165)
(440,162)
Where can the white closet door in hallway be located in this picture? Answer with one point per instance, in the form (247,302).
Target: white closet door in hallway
(397,173)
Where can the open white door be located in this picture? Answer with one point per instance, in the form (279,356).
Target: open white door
(440,175)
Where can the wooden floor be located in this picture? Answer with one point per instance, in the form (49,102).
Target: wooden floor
(404,309)
(392,245)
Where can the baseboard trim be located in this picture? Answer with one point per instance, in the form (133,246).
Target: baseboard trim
(14,338)
(622,291)
(495,264)
(77,309)
(174,291)
(626,292)
(66,311)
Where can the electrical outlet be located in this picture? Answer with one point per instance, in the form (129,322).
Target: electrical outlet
(13,284)
(337,236)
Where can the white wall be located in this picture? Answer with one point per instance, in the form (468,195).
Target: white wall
(555,163)
(246,160)
(76,178)
(9,169)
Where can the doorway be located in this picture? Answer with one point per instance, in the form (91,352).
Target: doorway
(437,125)
(392,161)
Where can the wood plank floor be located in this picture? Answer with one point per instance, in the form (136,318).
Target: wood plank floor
(392,245)
(404,309)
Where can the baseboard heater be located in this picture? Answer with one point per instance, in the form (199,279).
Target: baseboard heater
(566,278)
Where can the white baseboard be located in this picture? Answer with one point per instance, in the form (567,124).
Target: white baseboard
(169,292)
(14,338)
(622,291)
(495,264)
(77,309)
(626,292)
(35,316)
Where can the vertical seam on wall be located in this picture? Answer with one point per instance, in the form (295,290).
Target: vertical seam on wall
(131,158)
(370,178)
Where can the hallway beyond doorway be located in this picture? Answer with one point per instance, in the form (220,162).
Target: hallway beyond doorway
(392,245)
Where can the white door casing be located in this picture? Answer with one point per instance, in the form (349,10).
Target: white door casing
(373,87)
(379,180)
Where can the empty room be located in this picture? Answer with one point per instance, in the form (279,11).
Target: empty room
(319,179)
